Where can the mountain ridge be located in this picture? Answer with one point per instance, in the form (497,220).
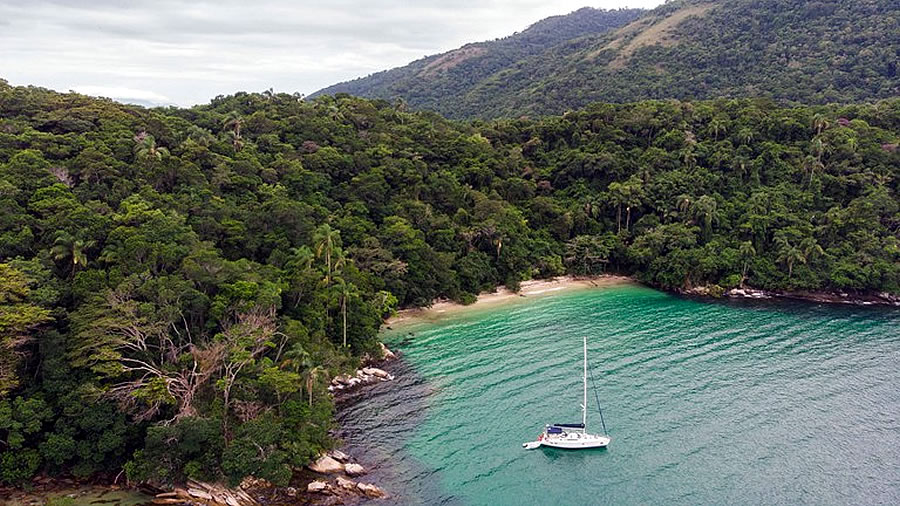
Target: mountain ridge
(491,56)
(794,51)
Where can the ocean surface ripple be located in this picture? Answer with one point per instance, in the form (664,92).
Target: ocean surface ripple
(707,403)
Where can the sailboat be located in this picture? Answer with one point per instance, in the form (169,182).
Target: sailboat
(572,436)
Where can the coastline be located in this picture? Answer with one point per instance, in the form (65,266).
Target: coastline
(393,364)
(530,288)
(821,297)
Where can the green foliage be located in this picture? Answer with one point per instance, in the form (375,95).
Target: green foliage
(191,448)
(179,314)
(790,50)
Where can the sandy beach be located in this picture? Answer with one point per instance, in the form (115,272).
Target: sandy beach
(531,288)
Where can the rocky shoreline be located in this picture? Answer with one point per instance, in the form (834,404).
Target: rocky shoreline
(858,299)
(334,478)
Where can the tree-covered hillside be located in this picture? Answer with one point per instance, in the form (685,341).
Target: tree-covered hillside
(176,285)
(436,81)
(810,52)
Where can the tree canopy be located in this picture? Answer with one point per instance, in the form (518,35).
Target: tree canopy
(176,285)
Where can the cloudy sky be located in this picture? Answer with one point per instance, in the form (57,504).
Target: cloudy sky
(186,52)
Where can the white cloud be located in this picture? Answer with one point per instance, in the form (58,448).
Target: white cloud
(189,51)
(122,93)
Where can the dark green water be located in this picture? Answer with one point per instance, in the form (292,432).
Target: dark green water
(706,402)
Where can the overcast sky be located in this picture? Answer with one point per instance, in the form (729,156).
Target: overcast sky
(186,52)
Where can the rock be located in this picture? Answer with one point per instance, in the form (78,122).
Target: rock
(250,482)
(370,490)
(374,371)
(354,469)
(291,491)
(345,483)
(316,486)
(339,455)
(200,494)
(326,465)
(386,353)
(170,500)
(354,381)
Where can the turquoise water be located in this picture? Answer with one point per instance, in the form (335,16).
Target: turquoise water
(706,402)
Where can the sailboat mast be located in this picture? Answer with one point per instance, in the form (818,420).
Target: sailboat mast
(584,399)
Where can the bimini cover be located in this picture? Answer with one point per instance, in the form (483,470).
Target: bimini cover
(554,430)
(569,425)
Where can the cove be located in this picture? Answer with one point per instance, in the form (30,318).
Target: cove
(707,402)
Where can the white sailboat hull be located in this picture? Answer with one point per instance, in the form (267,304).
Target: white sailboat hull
(576,441)
(570,441)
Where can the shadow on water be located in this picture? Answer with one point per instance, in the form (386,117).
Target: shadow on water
(376,425)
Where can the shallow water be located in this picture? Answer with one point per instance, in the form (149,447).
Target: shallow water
(707,403)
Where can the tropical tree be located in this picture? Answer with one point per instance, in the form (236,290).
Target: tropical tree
(19,317)
(345,291)
(811,165)
(718,125)
(820,122)
(706,212)
(145,148)
(233,122)
(67,248)
(788,253)
(328,245)
(746,252)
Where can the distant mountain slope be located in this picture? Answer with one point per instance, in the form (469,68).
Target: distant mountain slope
(433,82)
(791,50)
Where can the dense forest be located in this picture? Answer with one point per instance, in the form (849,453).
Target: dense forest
(177,286)
(795,51)
(436,82)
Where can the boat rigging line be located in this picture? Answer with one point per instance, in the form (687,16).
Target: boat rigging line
(597,395)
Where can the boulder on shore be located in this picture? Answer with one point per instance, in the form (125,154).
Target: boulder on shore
(354,469)
(371,490)
(339,455)
(345,483)
(386,353)
(342,379)
(374,371)
(326,465)
(317,486)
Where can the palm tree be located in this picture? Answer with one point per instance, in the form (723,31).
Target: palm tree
(819,147)
(345,290)
(820,122)
(811,165)
(788,254)
(301,259)
(617,195)
(65,246)
(328,242)
(746,251)
(683,203)
(233,121)
(810,249)
(706,212)
(745,135)
(145,148)
(718,124)
(310,375)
